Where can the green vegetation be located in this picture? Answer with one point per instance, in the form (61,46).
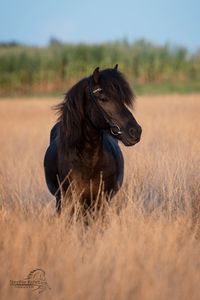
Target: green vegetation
(149,68)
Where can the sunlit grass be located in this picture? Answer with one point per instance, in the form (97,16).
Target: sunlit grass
(144,246)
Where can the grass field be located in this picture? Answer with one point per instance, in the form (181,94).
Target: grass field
(147,249)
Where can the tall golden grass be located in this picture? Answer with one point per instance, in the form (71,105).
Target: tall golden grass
(146,246)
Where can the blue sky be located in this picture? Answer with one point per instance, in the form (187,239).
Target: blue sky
(34,22)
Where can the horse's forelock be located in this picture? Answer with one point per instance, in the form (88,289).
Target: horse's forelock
(116,85)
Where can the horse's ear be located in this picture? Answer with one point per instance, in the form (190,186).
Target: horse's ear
(116,67)
(96,75)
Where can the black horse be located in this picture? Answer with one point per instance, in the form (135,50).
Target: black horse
(83,150)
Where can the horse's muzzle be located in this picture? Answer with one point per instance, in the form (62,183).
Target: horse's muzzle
(131,136)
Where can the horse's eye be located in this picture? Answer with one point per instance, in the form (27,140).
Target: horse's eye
(102,97)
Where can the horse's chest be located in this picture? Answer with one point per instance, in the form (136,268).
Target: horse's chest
(89,181)
(83,185)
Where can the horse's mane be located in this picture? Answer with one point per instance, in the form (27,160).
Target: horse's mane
(71,110)
(71,114)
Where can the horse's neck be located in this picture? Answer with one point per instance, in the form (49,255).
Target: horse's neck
(91,146)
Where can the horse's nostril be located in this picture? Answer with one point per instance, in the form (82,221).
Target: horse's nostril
(132,132)
(135,132)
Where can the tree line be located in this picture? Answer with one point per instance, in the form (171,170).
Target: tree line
(26,70)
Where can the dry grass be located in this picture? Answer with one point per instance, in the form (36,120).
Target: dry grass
(150,250)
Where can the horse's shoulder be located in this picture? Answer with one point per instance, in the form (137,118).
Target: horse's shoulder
(111,144)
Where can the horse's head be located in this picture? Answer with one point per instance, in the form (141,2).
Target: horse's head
(109,96)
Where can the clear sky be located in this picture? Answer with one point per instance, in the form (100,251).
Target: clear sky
(35,21)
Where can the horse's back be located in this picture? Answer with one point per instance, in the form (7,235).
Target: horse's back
(51,161)
(54,132)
